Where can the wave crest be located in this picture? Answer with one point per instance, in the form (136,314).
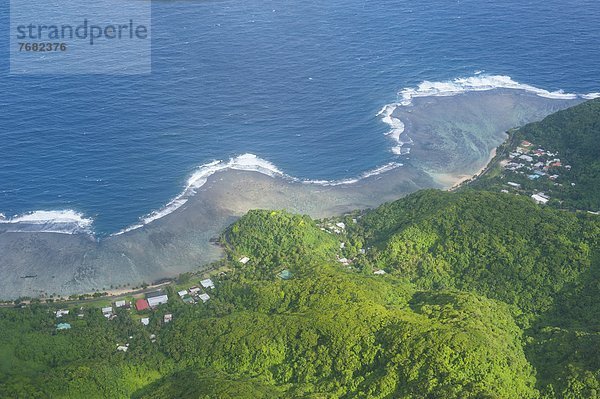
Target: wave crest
(455,87)
(62,221)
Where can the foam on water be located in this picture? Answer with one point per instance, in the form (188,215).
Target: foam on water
(591,96)
(245,162)
(479,82)
(71,222)
(60,221)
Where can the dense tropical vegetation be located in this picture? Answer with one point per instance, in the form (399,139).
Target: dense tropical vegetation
(476,295)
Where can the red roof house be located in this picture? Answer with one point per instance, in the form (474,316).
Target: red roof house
(141,304)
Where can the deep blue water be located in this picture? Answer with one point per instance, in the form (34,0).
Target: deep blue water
(295,82)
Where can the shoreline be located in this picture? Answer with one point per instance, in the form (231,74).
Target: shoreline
(181,241)
(463,179)
(449,181)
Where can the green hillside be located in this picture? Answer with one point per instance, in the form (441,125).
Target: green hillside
(464,295)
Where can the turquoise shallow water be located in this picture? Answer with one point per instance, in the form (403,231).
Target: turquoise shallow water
(296,83)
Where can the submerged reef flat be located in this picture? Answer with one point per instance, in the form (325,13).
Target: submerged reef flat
(449,136)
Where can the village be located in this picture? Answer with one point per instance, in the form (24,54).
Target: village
(142,308)
(533,171)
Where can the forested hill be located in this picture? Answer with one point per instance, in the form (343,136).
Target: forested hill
(462,295)
(484,296)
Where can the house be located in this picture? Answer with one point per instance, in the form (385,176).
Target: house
(122,348)
(344,261)
(194,291)
(526,158)
(341,225)
(533,177)
(540,198)
(63,326)
(61,313)
(204,297)
(141,304)
(208,283)
(120,304)
(244,260)
(145,321)
(168,318)
(182,293)
(380,272)
(156,298)
(513,184)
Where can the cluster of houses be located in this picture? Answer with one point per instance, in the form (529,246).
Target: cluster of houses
(534,163)
(195,294)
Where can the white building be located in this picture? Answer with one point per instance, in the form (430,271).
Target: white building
(156,298)
(379,272)
(540,198)
(526,158)
(120,304)
(208,283)
(182,293)
(204,297)
(107,311)
(61,313)
(145,321)
(244,260)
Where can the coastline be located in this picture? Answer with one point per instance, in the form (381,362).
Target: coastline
(454,182)
(446,148)
(446,181)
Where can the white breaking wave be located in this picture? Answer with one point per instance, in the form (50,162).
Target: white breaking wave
(591,96)
(455,87)
(249,162)
(71,222)
(60,221)
(245,162)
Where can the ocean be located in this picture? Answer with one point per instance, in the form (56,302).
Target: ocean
(298,89)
